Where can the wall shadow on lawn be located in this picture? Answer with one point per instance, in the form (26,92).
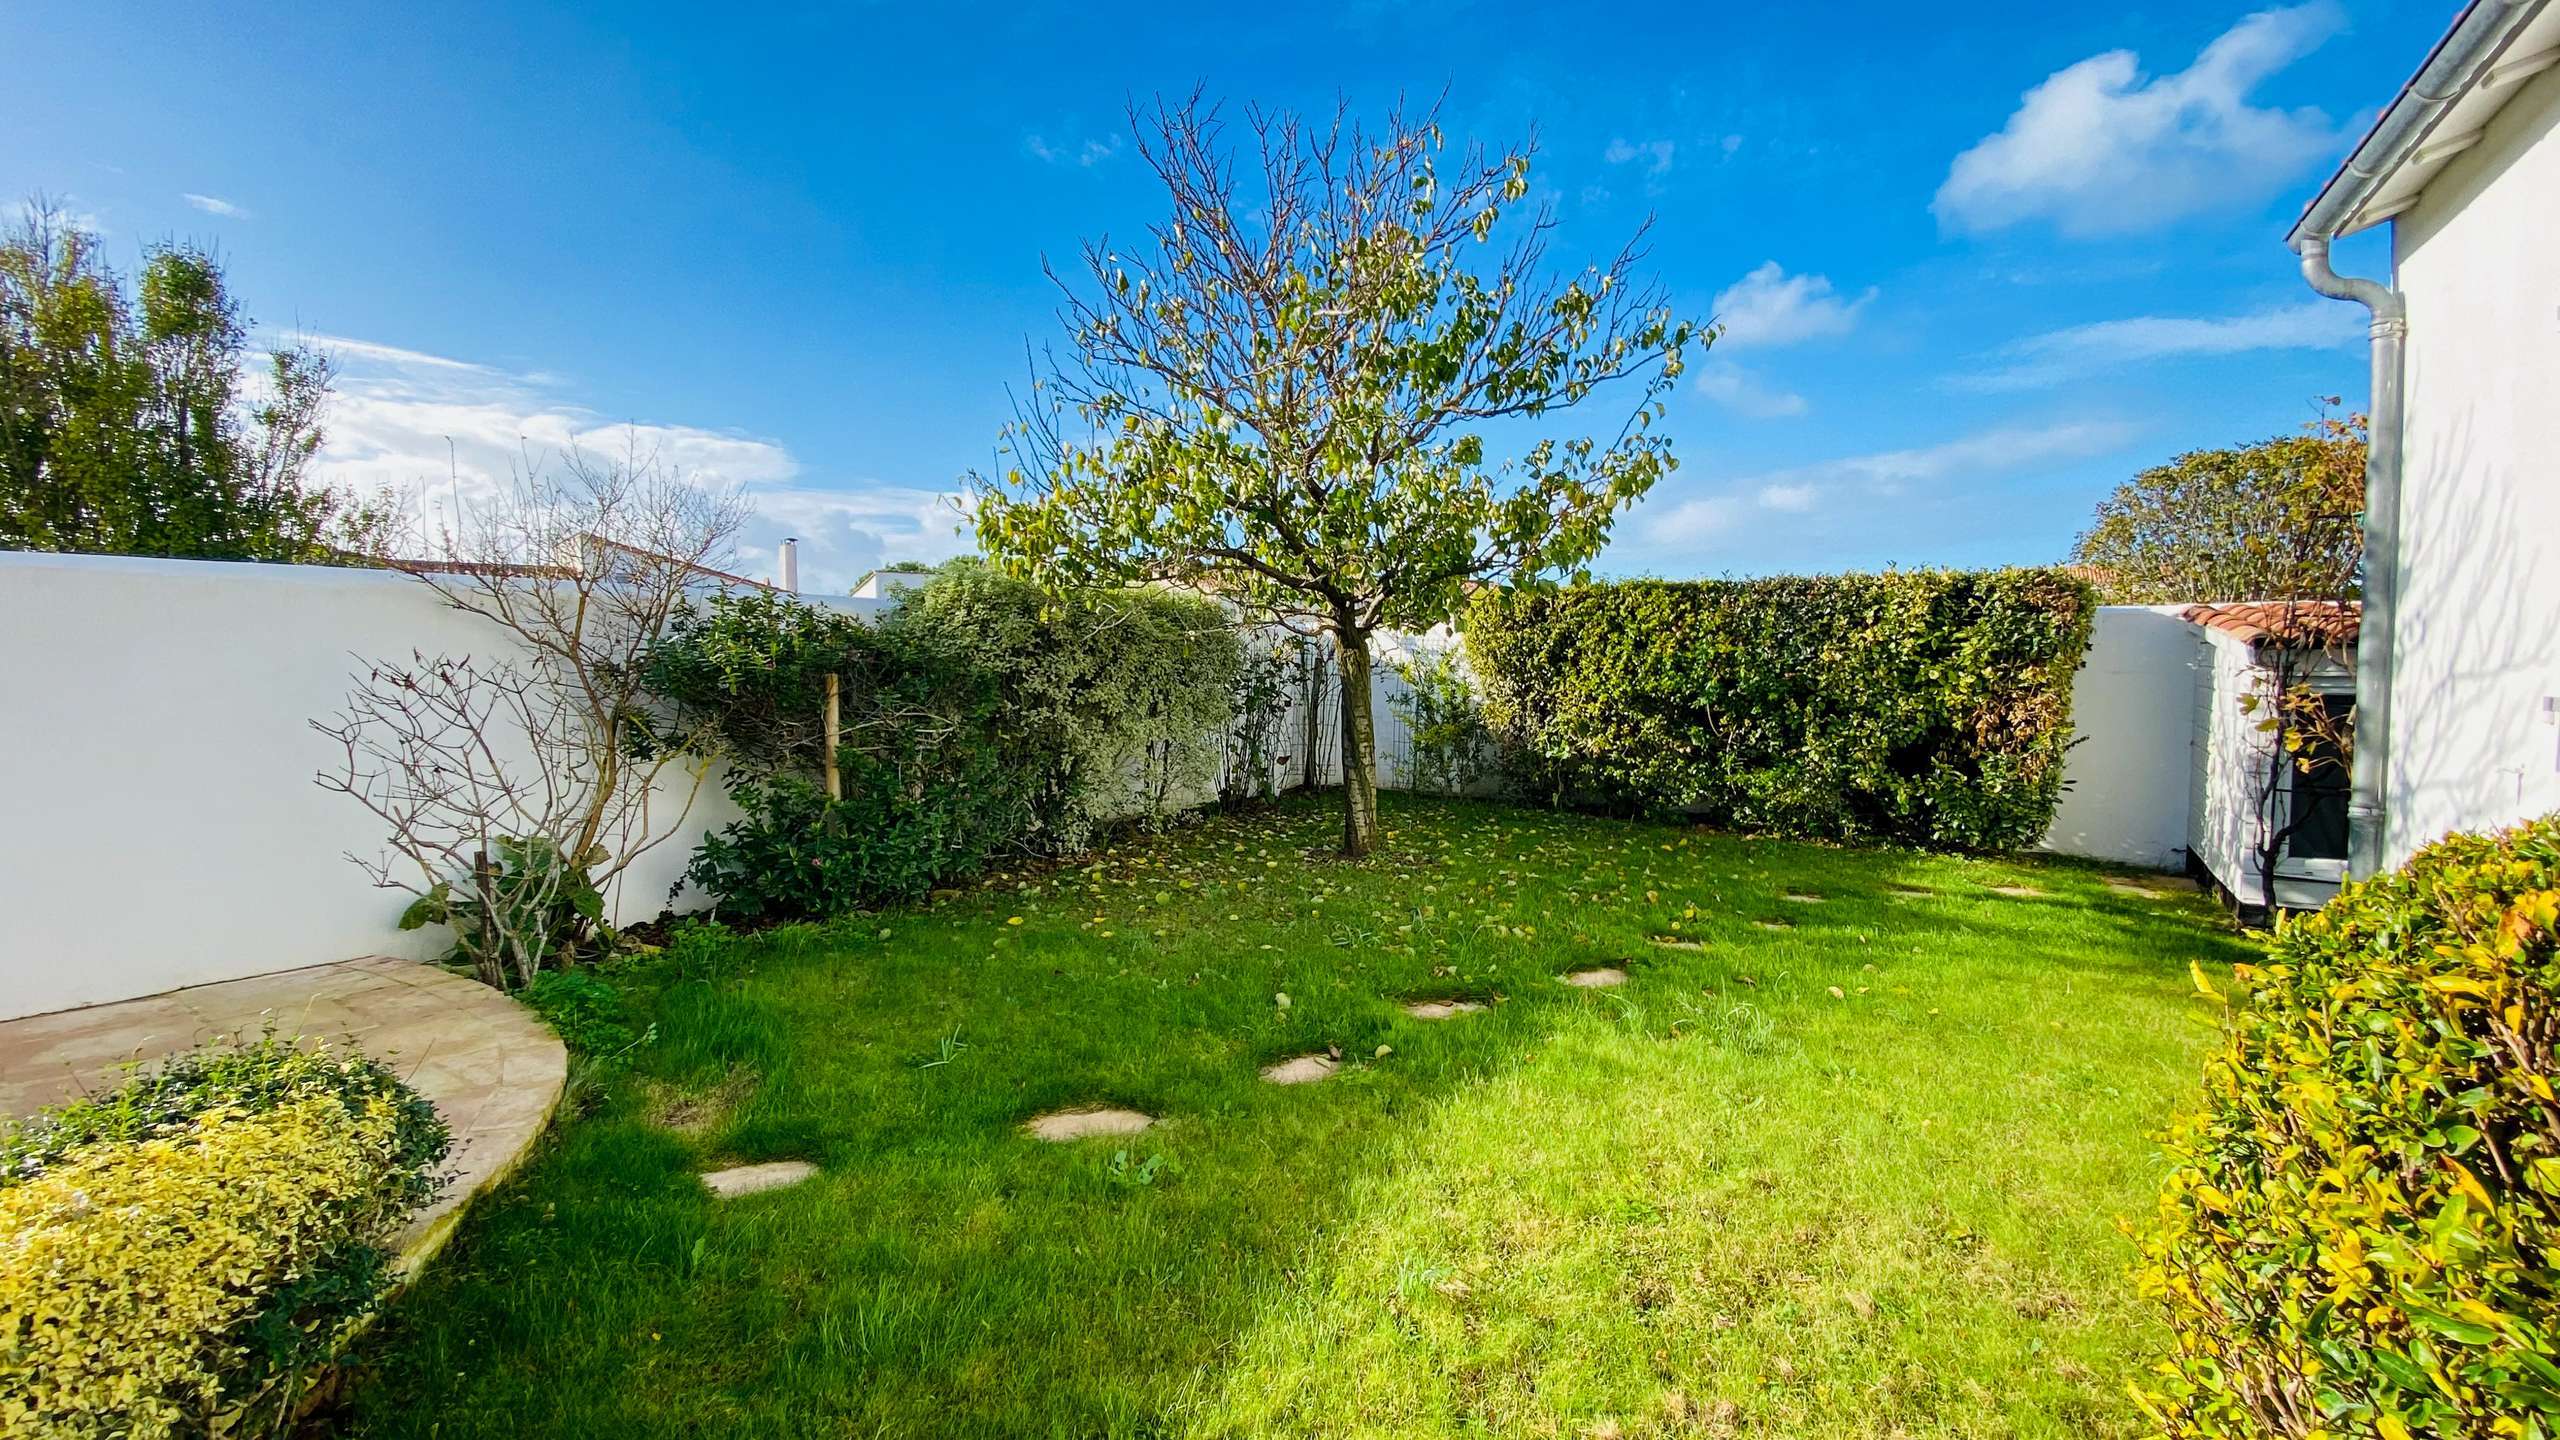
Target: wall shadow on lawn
(946,1274)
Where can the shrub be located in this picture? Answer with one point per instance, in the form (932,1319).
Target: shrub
(525,910)
(177,1255)
(979,718)
(1447,748)
(2360,1234)
(1925,707)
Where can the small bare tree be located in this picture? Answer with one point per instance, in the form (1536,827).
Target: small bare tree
(516,788)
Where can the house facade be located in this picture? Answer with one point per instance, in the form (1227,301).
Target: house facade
(2459,673)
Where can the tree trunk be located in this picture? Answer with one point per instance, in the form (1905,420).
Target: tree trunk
(1359,752)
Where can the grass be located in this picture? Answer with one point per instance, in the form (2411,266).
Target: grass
(1857,1174)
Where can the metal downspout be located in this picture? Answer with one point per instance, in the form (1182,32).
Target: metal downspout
(2369,776)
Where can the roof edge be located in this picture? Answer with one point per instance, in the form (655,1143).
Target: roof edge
(2451,69)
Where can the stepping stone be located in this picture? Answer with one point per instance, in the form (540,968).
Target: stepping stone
(2018,892)
(1675,942)
(2139,892)
(740,1180)
(1911,892)
(1774,924)
(1799,897)
(1304,1070)
(1597,979)
(1063,1125)
(1441,1009)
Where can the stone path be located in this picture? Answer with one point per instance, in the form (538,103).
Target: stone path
(491,1068)
(1595,979)
(740,1180)
(1304,1070)
(1063,1125)
(1442,1009)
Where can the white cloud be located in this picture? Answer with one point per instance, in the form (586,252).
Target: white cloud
(1656,154)
(1085,153)
(1738,390)
(449,431)
(1771,307)
(215,205)
(2061,355)
(1793,499)
(2101,148)
(1803,489)
(1688,522)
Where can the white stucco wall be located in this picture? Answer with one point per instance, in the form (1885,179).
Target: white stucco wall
(2126,780)
(2478,650)
(161,825)
(162,828)
(2231,755)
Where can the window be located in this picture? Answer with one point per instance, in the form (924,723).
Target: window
(2318,814)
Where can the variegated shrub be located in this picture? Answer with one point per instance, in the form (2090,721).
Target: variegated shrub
(175,1256)
(2360,1235)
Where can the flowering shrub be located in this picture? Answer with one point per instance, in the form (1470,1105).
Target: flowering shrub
(1928,707)
(176,1256)
(2361,1232)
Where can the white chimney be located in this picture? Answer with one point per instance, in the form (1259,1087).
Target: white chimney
(791,565)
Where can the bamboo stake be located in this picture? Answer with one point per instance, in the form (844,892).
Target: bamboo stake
(835,734)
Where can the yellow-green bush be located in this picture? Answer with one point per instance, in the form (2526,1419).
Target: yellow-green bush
(176,1255)
(2360,1235)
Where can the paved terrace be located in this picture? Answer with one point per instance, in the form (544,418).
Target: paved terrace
(490,1067)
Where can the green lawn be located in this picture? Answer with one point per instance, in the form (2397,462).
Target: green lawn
(1855,1175)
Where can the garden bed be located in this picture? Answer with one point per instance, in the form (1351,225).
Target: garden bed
(1855,1174)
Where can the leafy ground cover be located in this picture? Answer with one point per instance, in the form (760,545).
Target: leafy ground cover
(1845,1160)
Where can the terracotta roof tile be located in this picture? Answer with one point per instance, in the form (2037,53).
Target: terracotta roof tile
(2282,622)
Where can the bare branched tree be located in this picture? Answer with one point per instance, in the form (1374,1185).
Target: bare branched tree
(517,786)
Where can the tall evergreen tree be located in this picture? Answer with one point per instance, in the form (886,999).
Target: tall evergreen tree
(129,424)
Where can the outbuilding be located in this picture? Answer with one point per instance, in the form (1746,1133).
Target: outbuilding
(2267,808)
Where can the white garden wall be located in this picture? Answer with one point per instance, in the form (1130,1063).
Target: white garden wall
(2128,778)
(162,825)
(162,829)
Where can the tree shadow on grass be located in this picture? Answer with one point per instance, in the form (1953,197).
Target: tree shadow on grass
(1605,1173)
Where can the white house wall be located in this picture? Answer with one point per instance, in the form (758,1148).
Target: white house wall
(2478,650)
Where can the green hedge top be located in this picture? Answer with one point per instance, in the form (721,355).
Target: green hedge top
(2360,1233)
(1928,707)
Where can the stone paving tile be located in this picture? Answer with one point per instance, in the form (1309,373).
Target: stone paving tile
(492,1069)
(740,1180)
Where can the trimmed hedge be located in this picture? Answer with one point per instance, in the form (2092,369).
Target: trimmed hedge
(1926,707)
(178,1255)
(2361,1232)
(981,717)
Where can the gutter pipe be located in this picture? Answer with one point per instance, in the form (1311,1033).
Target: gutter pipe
(2369,776)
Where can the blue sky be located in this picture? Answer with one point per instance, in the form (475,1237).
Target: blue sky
(1979,263)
